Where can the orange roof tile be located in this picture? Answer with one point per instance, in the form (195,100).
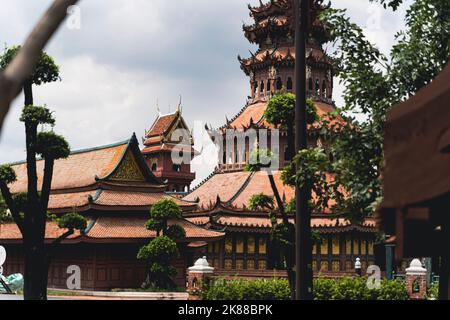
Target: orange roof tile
(264,222)
(10,231)
(224,185)
(135,199)
(162,125)
(113,228)
(134,228)
(70,200)
(253,112)
(256,111)
(78,170)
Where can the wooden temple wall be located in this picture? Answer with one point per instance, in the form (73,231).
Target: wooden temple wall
(252,255)
(103,267)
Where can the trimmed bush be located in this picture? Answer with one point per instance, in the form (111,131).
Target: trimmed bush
(324,289)
(357,289)
(221,289)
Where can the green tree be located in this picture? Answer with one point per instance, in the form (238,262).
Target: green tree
(29,210)
(280,112)
(45,71)
(373,84)
(283,234)
(161,251)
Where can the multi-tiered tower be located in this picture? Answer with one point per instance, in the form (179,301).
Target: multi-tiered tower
(224,197)
(272,67)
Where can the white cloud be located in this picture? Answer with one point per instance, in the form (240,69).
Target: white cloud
(128,54)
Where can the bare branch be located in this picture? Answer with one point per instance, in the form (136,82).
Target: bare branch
(63,237)
(12,79)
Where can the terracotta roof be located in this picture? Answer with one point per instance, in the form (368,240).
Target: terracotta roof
(78,170)
(70,200)
(237,188)
(278,21)
(198,220)
(10,231)
(313,55)
(223,185)
(168,147)
(134,228)
(120,198)
(264,222)
(162,125)
(255,113)
(112,228)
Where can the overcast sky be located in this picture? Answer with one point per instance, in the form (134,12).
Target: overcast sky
(130,54)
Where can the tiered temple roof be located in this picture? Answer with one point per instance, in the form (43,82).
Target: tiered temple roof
(223,216)
(252,116)
(112,187)
(159,137)
(236,188)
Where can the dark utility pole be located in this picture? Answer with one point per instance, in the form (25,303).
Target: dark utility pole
(304,275)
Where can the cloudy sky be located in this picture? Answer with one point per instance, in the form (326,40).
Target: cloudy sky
(128,55)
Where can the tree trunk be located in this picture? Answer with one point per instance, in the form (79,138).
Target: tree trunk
(277,197)
(35,271)
(291,279)
(290,141)
(28,92)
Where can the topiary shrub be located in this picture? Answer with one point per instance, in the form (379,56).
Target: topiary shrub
(356,289)
(221,289)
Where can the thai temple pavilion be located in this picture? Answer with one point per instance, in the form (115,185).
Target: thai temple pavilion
(114,189)
(224,197)
(115,186)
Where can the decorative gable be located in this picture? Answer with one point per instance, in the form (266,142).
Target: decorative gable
(128,170)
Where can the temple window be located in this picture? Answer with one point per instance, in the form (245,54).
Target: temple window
(251,244)
(239,244)
(269,87)
(315,248)
(324,89)
(317,87)
(262,88)
(229,245)
(251,264)
(289,84)
(239,264)
(154,166)
(363,247)
(262,265)
(348,245)
(176,168)
(336,246)
(336,266)
(262,246)
(324,246)
(355,247)
(236,153)
(310,85)
(370,244)
(228,264)
(247,149)
(314,265)
(255,88)
(324,266)
(279,84)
